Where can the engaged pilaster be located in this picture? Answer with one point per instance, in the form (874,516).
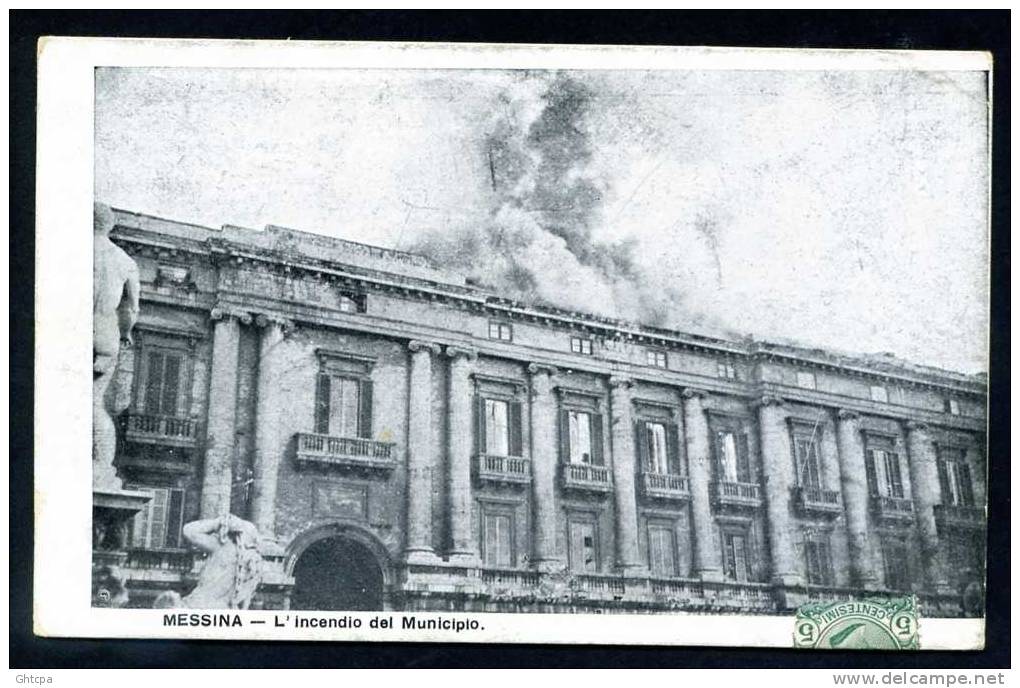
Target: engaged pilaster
(707,556)
(222,415)
(421,460)
(269,408)
(779,478)
(460,429)
(543,467)
(627,557)
(924,483)
(856,500)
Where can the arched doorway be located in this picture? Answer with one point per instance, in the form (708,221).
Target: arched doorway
(337,574)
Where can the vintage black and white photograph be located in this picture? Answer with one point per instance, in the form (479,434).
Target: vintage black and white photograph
(692,337)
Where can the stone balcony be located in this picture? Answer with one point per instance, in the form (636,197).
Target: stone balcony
(892,510)
(166,431)
(701,595)
(602,586)
(665,486)
(585,477)
(817,501)
(503,470)
(160,560)
(957,517)
(345,453)
(734,495)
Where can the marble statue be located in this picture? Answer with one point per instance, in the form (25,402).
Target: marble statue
(114,312)
(232,571)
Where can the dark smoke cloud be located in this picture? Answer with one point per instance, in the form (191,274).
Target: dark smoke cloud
(539,242)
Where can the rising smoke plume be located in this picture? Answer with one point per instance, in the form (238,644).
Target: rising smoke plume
(539,242)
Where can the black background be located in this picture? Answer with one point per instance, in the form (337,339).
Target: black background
(945,30)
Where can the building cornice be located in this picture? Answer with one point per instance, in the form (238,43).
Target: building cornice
(290,263)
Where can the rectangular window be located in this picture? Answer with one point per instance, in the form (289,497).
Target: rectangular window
(732,456)
(498,330)
(163,382)
(895,560)
(497,427)
(158,524)
(500,427)
(583,547)
(661,550)
(580,345)
(952,406)
(735,556)
(497,543)
(819,562)
(955,478)
(882,466)
(343,406)
(893,475)
(658,448)
(580,437)
(809,472)
(880,394)
(805,380)
(655,358)
(726,370)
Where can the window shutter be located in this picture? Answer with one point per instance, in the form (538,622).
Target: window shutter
(673,449)
(644,460)
(564,436)
(892,461)
(365,409)
(947,493)
(869,469)
(322,404)
(516,430)
(174,518)
(153,381)
(596,440)
(743,458)
(481,443)
(140,527)
(171,384)
(966,486)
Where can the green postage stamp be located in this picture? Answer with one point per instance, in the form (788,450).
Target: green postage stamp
(868,624)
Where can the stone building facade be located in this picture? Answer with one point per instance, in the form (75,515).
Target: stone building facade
(404,439)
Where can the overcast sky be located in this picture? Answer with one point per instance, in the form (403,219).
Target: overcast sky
(838,209)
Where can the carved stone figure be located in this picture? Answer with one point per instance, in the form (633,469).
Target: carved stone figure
(114,311)
(230,574)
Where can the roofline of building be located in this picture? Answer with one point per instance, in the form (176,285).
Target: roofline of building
(893,369)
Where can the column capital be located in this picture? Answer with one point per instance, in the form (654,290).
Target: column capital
(767,400)
(226,312)
(418,346)
(619,382)
(916,426)
(847,414)
(541,369)
(266,320)
(456,352)
(694,393)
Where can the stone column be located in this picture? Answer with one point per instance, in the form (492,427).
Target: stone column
(421,460)
(461,432)
(927,493)
(544,450)
(856,500)
(268,409)
(779,479)
(707,553)
(628,560)
(220,433)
